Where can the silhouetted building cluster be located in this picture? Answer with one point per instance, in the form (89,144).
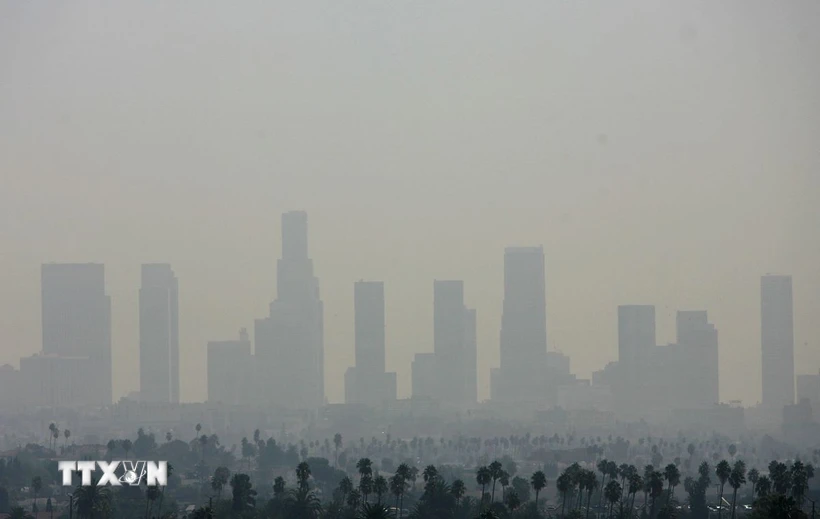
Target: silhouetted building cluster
(652,381)
(283,366)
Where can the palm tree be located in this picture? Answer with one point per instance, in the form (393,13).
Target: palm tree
(110,446)
(723,471)
(90,500)
(162,494)
(36,486)
(337,442)
(603,468)
(244,496)
(364,466)
(754,476)
(66,435)
(458,489)
(737,478)
(302,503)
(126,446)
(590,484)
(380,488)
(430,473)
(655,486)
(197,428)
(612,491)
(303,474)
(373,511)
(51,428)
(635,486)
(563,484)
(511,499)
(483,477)
(495,472)
(398,485)
(366,486)
(219,480)
(763,486)
(538,482)
(672,476)
(151,495)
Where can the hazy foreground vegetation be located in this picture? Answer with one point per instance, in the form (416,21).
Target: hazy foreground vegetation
(503,477)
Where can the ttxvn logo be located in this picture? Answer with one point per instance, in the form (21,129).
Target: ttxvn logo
(155,473)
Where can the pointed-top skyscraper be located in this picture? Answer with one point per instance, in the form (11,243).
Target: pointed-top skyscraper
(289,342)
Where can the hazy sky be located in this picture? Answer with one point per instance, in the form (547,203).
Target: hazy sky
(662,152)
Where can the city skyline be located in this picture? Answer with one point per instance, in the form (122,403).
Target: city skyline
(72,293)
(662,155)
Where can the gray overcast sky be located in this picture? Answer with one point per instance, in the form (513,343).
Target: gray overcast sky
(662,152)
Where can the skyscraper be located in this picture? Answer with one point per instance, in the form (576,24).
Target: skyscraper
(159,334)
(289,342)
(453,343)
(76,321)
(698,344)
(523,327)
(636,332)
(777,340)
(229,370)
(636,367)
(367,382)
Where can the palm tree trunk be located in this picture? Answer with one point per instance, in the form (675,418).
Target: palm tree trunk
(589,498)
(720,501)
(734,501)
(603,484)
(492,498)
(563,503)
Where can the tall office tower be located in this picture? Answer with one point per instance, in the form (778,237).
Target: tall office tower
(523,327)
(453,343)
(289,342)
(424,372)
(230,370)
(698,345)
(636,332)
(367,382)
(777,340)
(76,321)
(636,343)
(159,334)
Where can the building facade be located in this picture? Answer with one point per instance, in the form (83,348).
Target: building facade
(367,382)
(777,340)
(76,321)
(523,339)
(159,334)
(289,343)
